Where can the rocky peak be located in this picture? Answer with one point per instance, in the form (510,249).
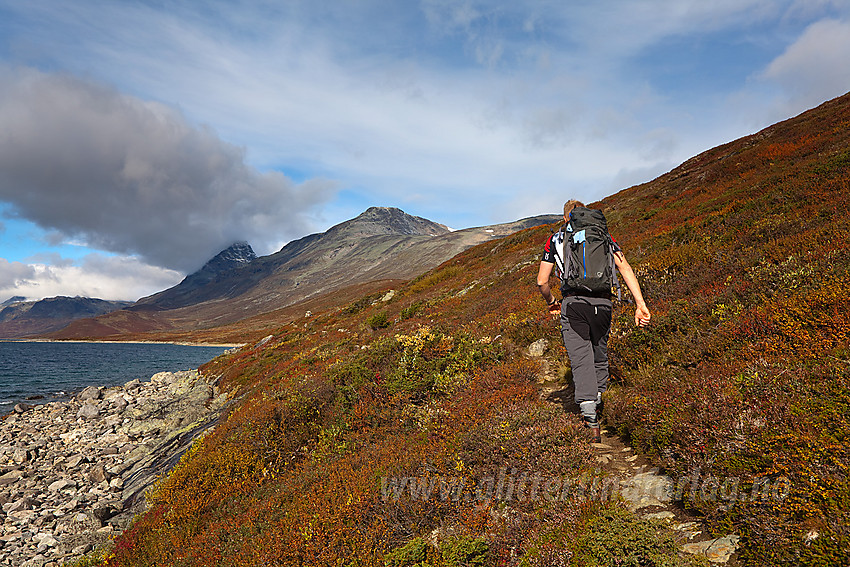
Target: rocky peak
(235,255)
(388,220)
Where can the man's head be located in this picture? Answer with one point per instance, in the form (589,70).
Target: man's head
(569,206)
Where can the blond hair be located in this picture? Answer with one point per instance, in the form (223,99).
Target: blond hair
(570,205)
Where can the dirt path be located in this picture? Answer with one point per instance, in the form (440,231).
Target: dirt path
(642,486)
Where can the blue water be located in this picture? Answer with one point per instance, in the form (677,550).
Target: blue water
(56,370)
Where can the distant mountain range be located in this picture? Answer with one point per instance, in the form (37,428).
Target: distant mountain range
(20,318)
(379,246)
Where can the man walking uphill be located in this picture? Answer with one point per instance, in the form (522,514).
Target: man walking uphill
(586,255)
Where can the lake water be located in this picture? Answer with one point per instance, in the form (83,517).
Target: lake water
(56,370)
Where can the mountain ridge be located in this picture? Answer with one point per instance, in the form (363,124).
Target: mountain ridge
(229,280)
(380,244)
(21,318)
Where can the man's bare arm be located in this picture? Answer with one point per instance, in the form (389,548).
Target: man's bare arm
(642,314)
(543,275)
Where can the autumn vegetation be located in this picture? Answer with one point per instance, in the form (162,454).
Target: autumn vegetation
(744,373)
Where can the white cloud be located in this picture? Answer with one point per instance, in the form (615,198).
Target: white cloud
(816,67)
(99,276)
(14,273)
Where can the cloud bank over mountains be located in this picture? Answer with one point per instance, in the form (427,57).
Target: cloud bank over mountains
(134,177)
(96,275)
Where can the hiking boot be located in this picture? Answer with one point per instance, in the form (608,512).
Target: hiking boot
(595,431)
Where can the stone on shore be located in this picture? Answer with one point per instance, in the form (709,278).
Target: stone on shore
(90,393)
(88,411)
(74,473)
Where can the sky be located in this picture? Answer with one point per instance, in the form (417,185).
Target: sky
(140,138)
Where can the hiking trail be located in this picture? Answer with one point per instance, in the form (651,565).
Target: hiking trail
(645,490)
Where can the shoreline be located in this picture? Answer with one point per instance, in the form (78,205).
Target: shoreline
(18,390)
(73,472)
(177,343)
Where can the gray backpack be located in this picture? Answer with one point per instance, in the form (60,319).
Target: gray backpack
(588,255)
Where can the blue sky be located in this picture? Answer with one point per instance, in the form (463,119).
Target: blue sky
(137,139)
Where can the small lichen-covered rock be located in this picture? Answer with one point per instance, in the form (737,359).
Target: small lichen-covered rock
(538,347)
(716,550)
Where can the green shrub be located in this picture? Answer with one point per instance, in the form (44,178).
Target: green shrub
(378,321)
(350,374)
(412,554)
(616,537)
(465,552)
(453,552)
(93,559)
(430,358)
(412,310)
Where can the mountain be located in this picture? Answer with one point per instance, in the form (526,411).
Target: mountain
(378,247)
(199,286)
(305,260)
(386,220)
(20,318)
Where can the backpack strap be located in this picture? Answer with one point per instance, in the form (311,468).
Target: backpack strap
(614,268)
(567,257)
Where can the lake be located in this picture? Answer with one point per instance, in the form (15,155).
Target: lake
(54,370)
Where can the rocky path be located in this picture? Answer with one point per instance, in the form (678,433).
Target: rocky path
(74,473)
(645,490)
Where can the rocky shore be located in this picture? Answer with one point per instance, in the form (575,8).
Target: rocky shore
(74,473)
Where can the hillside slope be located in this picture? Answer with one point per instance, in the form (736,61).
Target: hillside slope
(743,375)
(388,432)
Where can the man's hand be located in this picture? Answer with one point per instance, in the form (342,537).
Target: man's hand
(642,316)
(555,309)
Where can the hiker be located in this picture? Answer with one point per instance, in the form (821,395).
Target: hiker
(585,309)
